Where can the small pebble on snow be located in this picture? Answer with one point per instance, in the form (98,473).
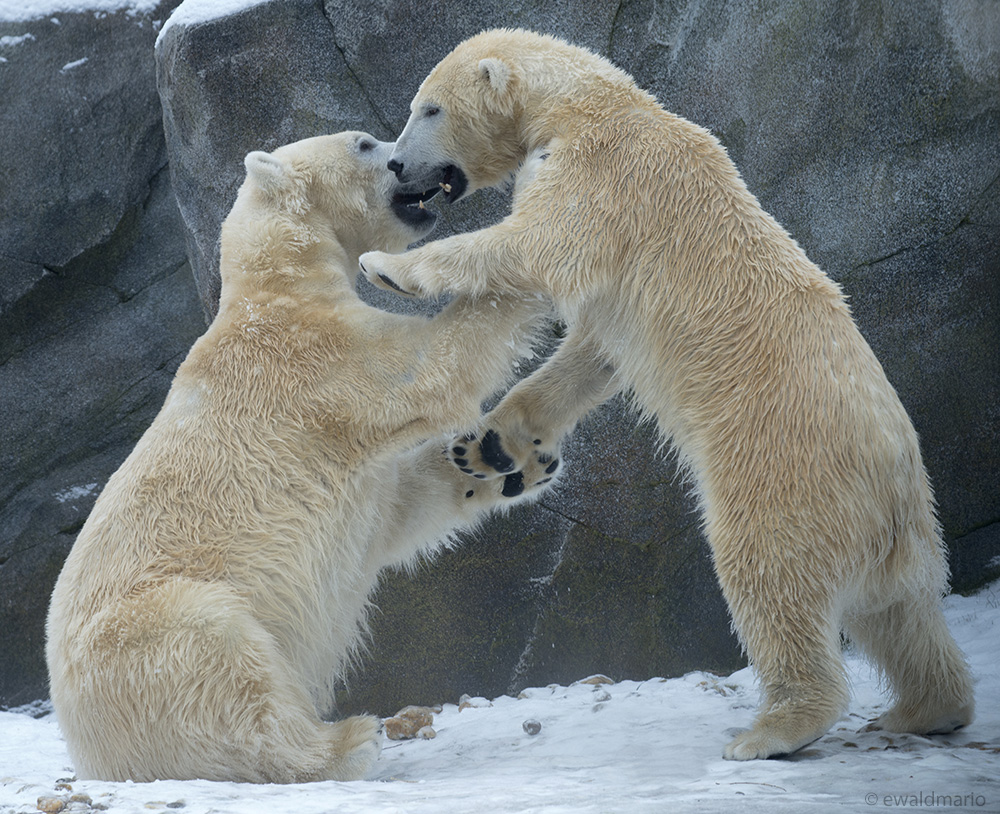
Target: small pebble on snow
(469,702)
(532,727)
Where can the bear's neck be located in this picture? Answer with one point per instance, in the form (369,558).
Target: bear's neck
(558,99)
(278,253)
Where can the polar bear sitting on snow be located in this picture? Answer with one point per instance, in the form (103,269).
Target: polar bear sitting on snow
(221,580)
(678,287)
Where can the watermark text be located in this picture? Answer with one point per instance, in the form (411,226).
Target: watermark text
(927,799)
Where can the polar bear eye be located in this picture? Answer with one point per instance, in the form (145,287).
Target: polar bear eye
(365,146)
(432,111)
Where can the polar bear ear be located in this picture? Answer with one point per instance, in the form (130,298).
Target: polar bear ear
(267,172)
(499,78)
(496,72)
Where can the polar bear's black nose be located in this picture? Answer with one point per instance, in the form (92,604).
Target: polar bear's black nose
(396,167)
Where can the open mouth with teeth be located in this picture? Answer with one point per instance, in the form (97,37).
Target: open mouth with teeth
(409,208)
(408,202)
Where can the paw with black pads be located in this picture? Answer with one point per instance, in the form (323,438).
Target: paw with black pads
(540,471)
(522,461)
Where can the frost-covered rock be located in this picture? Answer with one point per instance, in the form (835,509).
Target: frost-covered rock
(409,723)
(97,305)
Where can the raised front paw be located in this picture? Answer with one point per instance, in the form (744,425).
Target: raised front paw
(389,271)
(522,466)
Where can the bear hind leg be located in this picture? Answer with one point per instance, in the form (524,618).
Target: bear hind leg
(794,713)
(927,673)
(186,684)
(795,651)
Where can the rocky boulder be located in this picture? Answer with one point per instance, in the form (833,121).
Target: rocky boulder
(97,302)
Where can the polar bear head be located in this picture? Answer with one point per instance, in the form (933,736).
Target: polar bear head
(320,189)
(462,134)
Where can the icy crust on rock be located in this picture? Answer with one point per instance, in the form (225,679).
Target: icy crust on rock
(195,12)
(23,10)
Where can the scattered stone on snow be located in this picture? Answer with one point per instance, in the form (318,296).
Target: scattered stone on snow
(596,679)
(531,726)
(467,701)
(409,722)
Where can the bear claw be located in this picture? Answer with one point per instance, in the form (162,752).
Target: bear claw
(389,282)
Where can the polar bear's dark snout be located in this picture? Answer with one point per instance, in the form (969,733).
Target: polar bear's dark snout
(396,167)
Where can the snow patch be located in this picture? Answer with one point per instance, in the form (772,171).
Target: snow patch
(195,12)
(10,42)
(75,492)
(23,10)
(69,66)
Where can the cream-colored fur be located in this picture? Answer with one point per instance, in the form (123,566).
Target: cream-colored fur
(221,581)
(678,287)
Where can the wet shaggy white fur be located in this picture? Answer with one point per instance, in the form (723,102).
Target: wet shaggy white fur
(678,287)
(221,581)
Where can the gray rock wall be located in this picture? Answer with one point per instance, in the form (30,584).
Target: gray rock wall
(97,302)
(870,130)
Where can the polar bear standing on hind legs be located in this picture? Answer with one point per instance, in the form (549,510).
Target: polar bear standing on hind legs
(678,287)
(221,580)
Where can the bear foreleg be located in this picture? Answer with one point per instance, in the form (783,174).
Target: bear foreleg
(432,500)
(472,263)
(525,431)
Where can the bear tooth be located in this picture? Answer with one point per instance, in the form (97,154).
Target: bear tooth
(445,187)
(421,204)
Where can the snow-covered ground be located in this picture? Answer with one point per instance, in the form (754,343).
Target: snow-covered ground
(630,747)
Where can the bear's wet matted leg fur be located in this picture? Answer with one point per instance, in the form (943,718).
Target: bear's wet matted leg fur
(926,672)
(792,637)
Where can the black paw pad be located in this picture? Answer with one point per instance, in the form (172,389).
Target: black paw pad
(465,470)
(460,451)
(513,485)
(461,462)
(492,453)
(552,467)
(470,493)
(544,458)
